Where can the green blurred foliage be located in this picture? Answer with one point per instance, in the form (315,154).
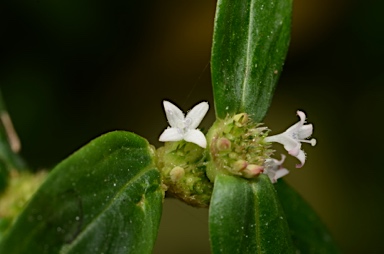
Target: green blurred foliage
(71,71)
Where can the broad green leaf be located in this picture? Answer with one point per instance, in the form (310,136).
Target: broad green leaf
(246,217)
(105,198)
(309,234)
(250,42)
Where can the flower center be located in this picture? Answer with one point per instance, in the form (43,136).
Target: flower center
(187,122)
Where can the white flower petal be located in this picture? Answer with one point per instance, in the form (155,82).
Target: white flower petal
(197,137)
(299,124)
(280,173)
(196,115)
(295,150)
(281,161)
(294,128)
(284,139)
(174,115)
(171,134)
(305,131)
(302,116)
(301,158)
(271,176)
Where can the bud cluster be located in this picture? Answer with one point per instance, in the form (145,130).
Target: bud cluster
(236,146)
(182,166)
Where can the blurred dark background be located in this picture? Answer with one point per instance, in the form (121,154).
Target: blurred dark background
(72,70)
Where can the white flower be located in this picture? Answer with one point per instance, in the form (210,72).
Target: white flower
(184,127)
(274,169)
(294,136)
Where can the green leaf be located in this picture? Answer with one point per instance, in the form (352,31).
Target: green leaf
(250,43)
(105,198)
(309,234)
(246,217)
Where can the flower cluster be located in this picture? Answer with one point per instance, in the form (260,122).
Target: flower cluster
(236,144)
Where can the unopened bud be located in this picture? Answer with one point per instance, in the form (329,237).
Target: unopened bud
(176,173)
(252,170)
(223,144)
(241,119)
(240,165)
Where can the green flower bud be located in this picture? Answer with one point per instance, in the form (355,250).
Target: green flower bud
(176,174)
(223,144)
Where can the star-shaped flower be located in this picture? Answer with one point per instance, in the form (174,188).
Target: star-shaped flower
(184,127)
(274,169)
(294,136)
